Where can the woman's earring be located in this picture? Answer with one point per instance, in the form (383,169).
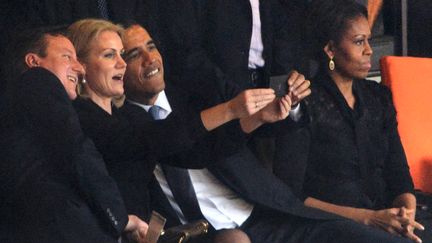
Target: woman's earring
(331,64)
(83,80)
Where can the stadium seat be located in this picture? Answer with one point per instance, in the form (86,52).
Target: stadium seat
(410,80)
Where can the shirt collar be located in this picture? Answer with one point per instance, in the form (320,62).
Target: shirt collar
(161,101)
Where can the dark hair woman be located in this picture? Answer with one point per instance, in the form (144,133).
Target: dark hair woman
(347,154)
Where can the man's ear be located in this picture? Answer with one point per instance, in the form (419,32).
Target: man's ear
(329,49)
(32,60)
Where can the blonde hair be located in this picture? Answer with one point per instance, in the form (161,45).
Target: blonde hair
(81,33)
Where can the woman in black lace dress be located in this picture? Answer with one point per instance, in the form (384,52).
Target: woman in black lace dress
(346,157)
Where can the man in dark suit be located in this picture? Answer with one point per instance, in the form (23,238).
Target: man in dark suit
(229,46)
(55,187)
(234,191)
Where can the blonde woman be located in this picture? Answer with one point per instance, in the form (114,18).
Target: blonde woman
(130,148)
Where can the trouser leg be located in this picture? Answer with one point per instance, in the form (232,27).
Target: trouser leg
(268,226)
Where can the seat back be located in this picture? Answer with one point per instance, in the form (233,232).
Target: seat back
(410,80)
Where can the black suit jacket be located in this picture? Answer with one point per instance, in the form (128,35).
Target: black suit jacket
(229,159)
(244,174)
(212,40)
(55,186)
(228,38)
(188,158)
(132,143)
(205,144)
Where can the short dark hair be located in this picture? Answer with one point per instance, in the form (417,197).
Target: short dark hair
(327,20)
(26,41)
(129,23)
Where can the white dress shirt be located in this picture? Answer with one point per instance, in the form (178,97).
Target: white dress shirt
(223,208)
(161,101)
(295,114)
(256,46)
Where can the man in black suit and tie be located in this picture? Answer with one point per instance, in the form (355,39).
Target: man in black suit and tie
(235,191)
(229,46)
(55,187)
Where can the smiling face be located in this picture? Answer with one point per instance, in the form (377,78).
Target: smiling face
(352,54)
(144,77)
(104,66)
(61,60)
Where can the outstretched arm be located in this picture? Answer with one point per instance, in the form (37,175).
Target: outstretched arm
(245,104)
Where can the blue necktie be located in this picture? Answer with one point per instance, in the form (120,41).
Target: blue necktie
(155,112)
(180,183)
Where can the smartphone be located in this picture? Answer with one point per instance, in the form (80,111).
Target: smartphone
(279,84)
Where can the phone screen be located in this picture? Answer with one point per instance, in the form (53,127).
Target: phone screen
(279,84)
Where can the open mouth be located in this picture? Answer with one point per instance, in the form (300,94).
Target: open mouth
(73,79)
(152,72)
(118,77)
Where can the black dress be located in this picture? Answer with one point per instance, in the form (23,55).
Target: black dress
(131,148)
(345,156)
